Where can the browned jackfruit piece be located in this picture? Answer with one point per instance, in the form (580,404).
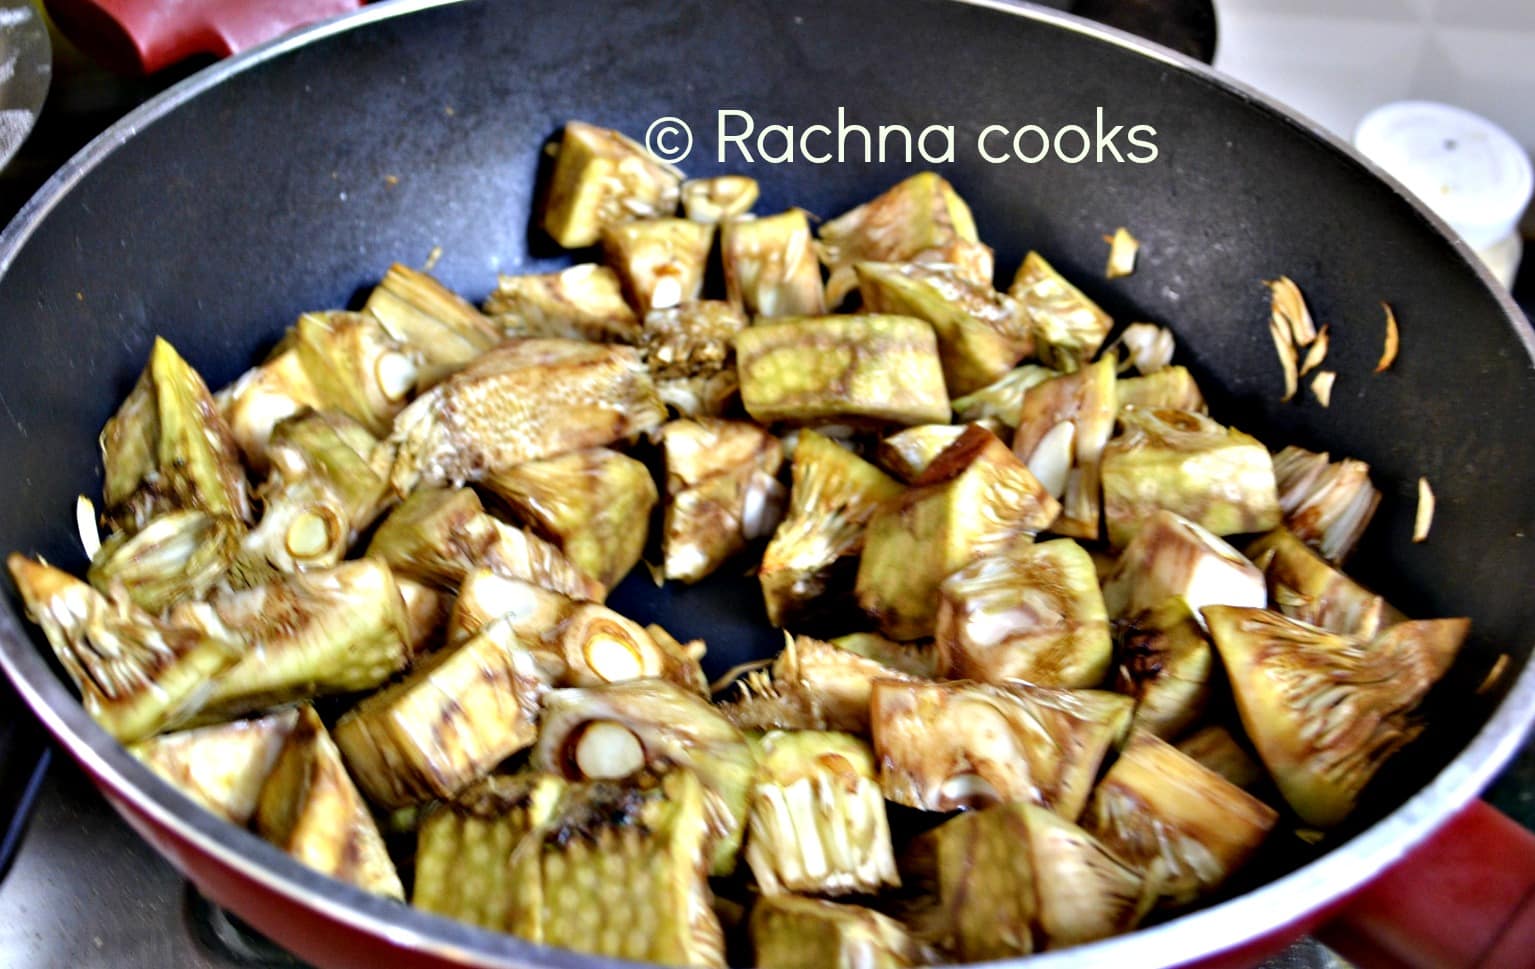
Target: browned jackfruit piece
(221,767)
(817,820)
(906,454)
(602,179)
(1031,613)
(438,535)
(920,219)
(1327,504)
(1324,710)
(943,746)
(439,328)
(1303,586)
(1063,425)
(137,675)
(1068,327)
(621,873)
(310,809)
(337,630)
(661,261)
(1164,661)
(1171,388)
(975,499)
(690,350)
(582,302)
(460,712)
(719,199)
(168,448)
(1171,557)
(1184,827)
(1002,399)
(1015,878)
(833,496)
(981,333)
(595,504)
(861,369)
(771,267)
(474,854)
(177,555)
(793,932)
(615,731)
(522,401)
(721,492)
(1217,477)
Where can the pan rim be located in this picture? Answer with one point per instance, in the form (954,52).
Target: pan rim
(1208,932)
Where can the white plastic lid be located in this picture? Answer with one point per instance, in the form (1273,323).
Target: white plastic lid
(1467,169)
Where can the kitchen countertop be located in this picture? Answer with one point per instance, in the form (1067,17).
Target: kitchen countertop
(84,891)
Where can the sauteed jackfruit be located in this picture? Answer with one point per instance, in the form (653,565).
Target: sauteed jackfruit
(1063,652)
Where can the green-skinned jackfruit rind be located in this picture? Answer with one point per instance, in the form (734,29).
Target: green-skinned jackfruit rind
(817,821)
(1304,586)
(833,495)
(1184,827)
(584,302)
(981,333)
(177,555)
(137,675)
(601,179)
(866,368)
(913,659)
(221,767)
(1324,710)
(459,713)
(975,499)
(672,725)
(473,853)
(1068,327)
(337,630)
(1033,613)
(309,808)
(1217,477)
(771,267)
(621,872)
(920,219)
(943,746)
(794,932)
(168,448)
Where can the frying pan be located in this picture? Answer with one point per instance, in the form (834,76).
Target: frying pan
(287,179)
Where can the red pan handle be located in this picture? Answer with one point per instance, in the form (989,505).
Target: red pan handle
(142,36)
(1465,899)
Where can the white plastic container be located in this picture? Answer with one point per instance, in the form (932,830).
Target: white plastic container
(1467,169)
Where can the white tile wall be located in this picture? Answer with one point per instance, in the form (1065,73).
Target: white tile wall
(1335,59)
